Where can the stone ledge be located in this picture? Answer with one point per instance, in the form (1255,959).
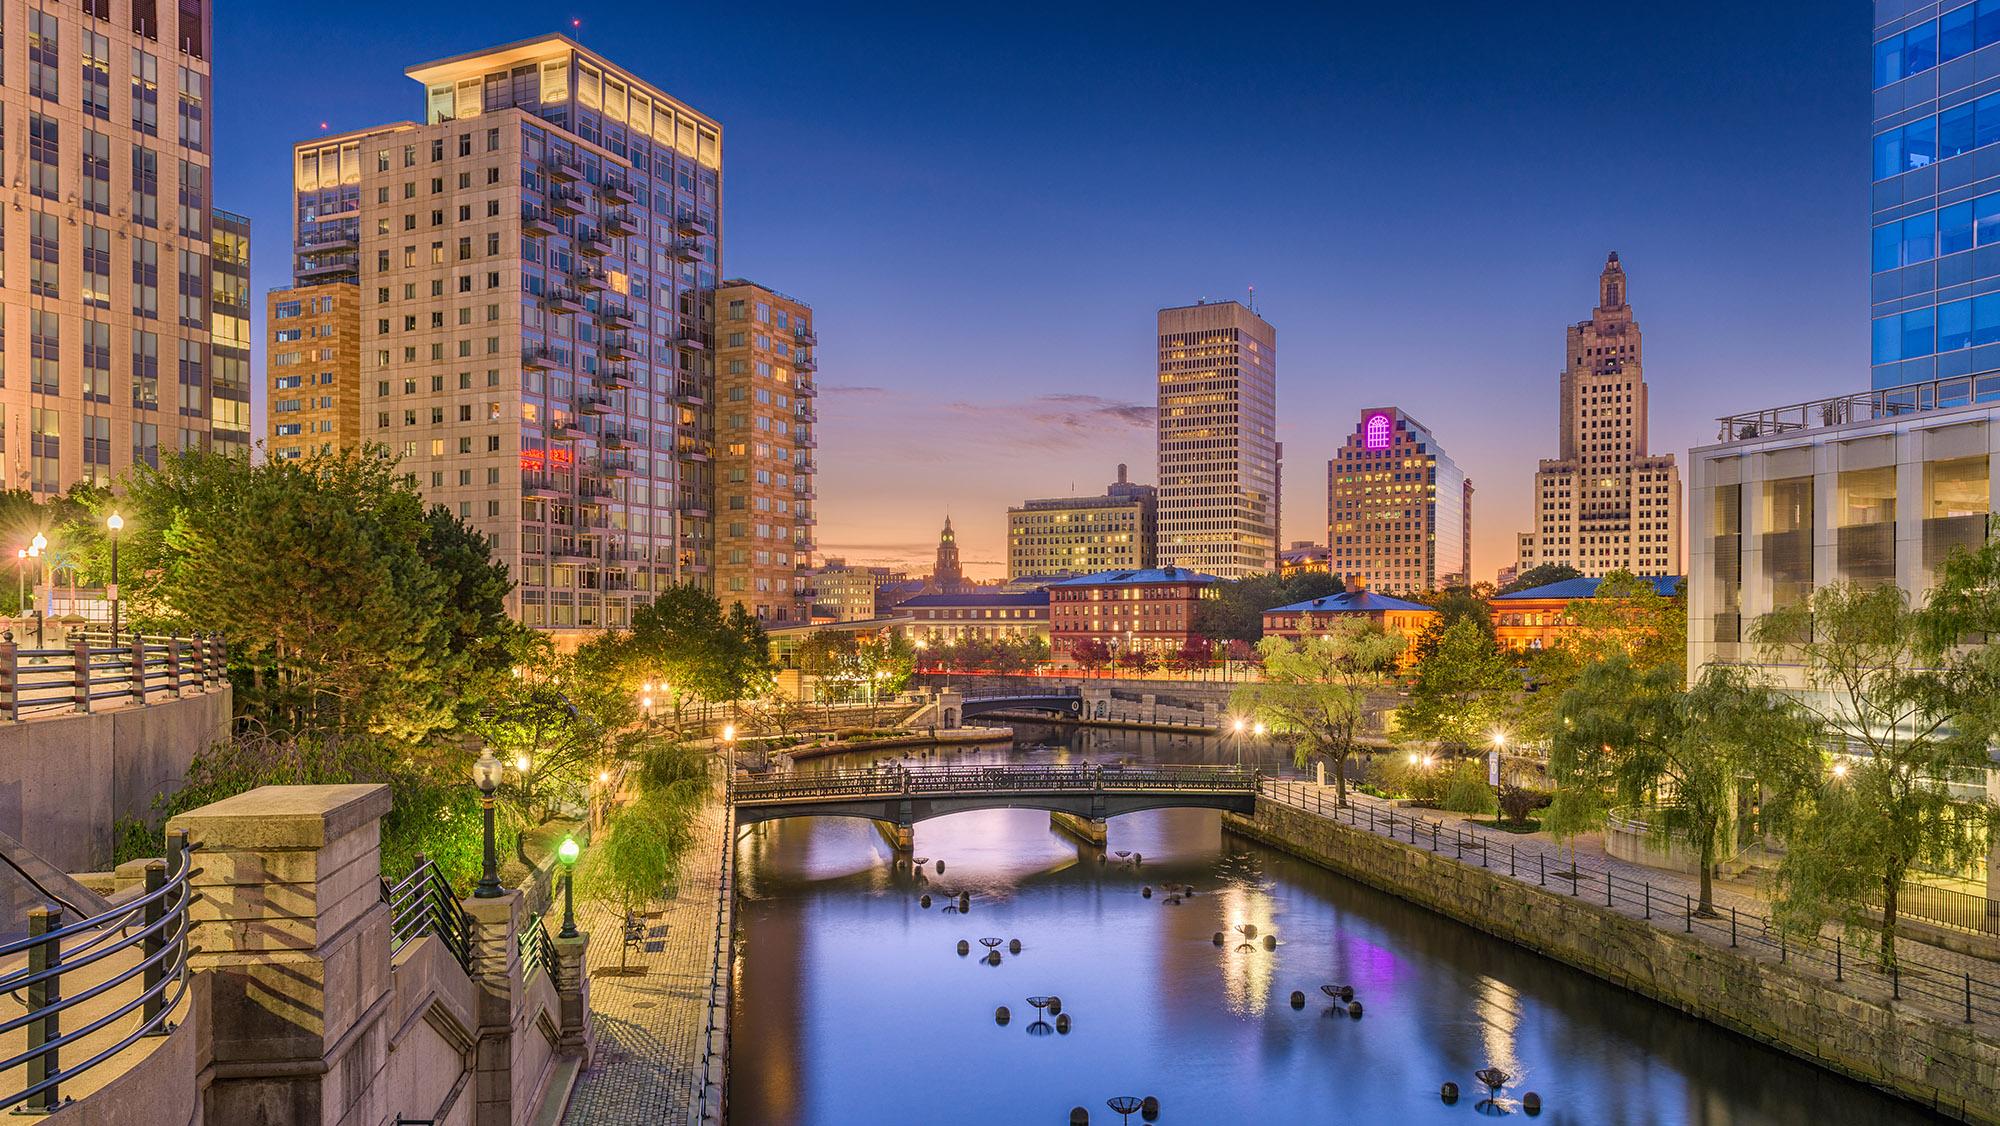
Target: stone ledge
(285,817)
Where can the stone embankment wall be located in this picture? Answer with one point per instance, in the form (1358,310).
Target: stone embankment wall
(1952,1066)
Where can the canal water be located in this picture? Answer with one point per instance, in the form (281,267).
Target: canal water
(853,1005)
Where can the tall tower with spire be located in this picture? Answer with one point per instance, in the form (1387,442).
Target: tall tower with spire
(1605,503)
(946,577)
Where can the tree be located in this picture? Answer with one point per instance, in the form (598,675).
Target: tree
(1193,656)
(1315,691)
(640,852)
(1453,606)
(1685,754)
(1090,654)
(1627,617)
(1462,685)
(1542,575)
(1888,689)
(685,645)
(1236,610)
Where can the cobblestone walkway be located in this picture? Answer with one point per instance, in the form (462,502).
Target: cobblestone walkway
(649,1027)
(1945,983)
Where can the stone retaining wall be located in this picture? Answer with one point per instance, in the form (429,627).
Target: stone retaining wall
(1953,1067)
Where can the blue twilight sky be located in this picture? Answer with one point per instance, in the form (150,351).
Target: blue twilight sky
(986,204)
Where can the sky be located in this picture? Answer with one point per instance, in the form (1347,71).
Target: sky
(986,204)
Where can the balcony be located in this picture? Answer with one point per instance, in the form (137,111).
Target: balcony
(590,280)
(563,430)
(1862,406)
(567,200)
(805,439)
(684,250)
(339,238)
(689,223)
(805,518)
(560,299)
(617,189)
(592,243)
(539,358)
(577,549)
(804,361)
(620,347)
(618,377)
(690,393)
(694,508)
(615,439)
(542,485)
(622,223)
(324,265)
(537,222)
(692,341)
(694,449)
(616,468)
(591,490)
(618,316)
(564,168)
(806,413)
(593,404)
(805,336)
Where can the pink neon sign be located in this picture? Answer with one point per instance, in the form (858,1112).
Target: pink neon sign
(1377,430)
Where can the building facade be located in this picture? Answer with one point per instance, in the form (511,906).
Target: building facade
(947,576)
(313,357)
(108,354)
(1935,195)
(1399,510)
(1065,536)
(1217,440)
(229,334)
(1310,618)
(1305,557)
(1538,618)
(764,441)
(1150,610)
(536,264)
(937,620)
(841,593)
(1604,503)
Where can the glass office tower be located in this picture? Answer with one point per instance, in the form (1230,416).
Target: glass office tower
(1936,200)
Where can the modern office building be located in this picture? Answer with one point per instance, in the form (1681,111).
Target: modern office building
(841,593)
(1218,440)
(1936,199)
(535,266)
(1605,503)
(106,313)
(229,333)
(313,358)
(1398,508)
(764,440)
(1064,536)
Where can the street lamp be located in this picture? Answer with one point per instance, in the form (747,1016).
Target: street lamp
(567,852)
(1840,768)
(36,548)
(21,578)
(114,522)
(1238,727)
(486,776)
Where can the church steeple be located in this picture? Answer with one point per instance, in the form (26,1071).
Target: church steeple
(946,577)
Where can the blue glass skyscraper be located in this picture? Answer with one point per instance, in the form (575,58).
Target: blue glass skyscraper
(1936,201)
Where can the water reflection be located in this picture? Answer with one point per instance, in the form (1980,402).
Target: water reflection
(853,1004)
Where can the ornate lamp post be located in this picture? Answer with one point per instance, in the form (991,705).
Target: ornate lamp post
(567,852)
(114,522)
(1238,728)
(486,776)
(21,578)
(36,548)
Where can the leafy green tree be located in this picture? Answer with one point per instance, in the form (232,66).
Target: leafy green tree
(1462,689)
(1903,708)
(684,644)
(1627,617)
(1543,575)
(640,852)
(1314,691)
(1236,610)
(1684,753)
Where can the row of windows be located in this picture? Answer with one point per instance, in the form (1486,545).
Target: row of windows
(1934,234)
(1958,32)
(1960,129)
(1946,328)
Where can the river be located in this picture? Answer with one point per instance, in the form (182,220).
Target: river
(853,1005)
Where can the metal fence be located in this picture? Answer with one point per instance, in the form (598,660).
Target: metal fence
(1011,779)
(1949,907)
(711,1102)
(150,932)
(97,667)
(423,903)
(538,953)
(1971,997)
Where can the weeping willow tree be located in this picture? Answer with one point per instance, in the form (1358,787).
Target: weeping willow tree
(638,856)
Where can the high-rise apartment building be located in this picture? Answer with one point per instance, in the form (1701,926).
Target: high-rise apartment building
(534,269)
(1399,509)
(764,441)
(107,303)
(1606,504)
(1064,536)
(1936,203)
(313,400)
(1218,440)
(229,333)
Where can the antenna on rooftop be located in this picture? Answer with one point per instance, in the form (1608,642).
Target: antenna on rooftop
(1253,298)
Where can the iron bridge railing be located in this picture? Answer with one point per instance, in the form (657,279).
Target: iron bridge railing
(423,903)
(151,931)
(957,780)
(96,667)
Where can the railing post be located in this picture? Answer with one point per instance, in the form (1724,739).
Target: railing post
(149,946)
(1648,886)
(1732,926)
(1687,910)
(1838,967)
(1968,996)
(174,663)
(1607,887)
(138,672)
(80,656)
(42,1029)
(1542,860)
(198,646)
(10,668)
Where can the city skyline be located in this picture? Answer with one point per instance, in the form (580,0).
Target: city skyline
(1355,263)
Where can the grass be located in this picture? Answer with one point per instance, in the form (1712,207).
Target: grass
(1531,825)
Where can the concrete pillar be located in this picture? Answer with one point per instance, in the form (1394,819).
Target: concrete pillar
(496,956)
(1088,830)
(1096,701)
(951,709)
(290,949)
(579,1030)
(902,838)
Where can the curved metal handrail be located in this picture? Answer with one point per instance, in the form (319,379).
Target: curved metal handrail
(423,902)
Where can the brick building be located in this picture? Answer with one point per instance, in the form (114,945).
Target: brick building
(1148,611)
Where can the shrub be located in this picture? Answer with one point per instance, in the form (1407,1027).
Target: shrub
(1465,787)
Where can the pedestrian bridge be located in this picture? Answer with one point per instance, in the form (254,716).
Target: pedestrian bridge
(1062,703)
(902,796)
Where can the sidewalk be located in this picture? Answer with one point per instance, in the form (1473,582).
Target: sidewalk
(650,1027)
(1931,978)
